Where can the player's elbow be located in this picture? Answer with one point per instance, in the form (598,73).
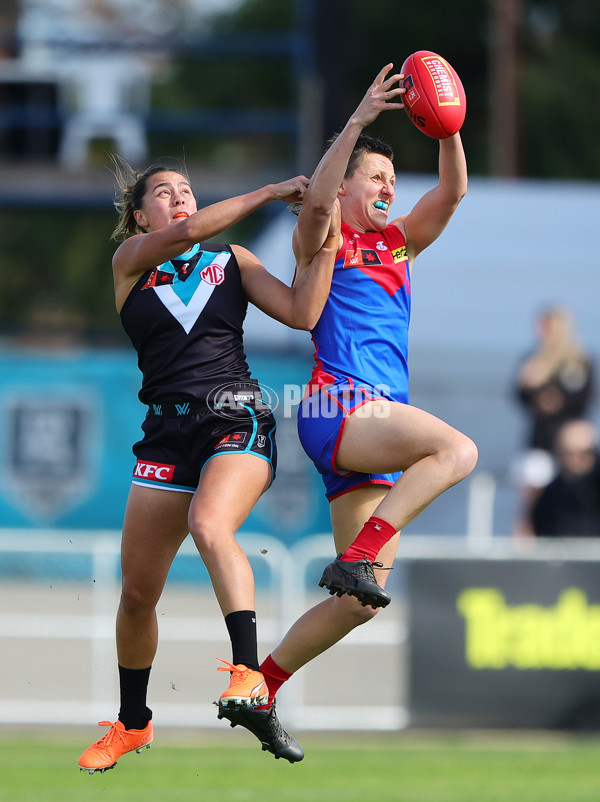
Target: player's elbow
(306,320)
(187,234)
(321,209)
(455,195)
(460,190)
(306,316)
(317,208)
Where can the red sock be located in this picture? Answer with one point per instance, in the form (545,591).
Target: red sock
(274,676)
(369,541)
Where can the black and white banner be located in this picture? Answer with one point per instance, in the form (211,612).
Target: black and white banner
(504,643)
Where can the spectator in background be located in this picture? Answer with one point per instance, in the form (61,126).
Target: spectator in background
(555,384)
(569,506)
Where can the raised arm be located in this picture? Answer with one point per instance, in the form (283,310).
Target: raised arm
(317,205)
(299,306)
(433,211)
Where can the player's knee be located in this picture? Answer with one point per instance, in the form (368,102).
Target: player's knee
(458,458)
(206,533)
(353,611)
(137,599)
(466,457)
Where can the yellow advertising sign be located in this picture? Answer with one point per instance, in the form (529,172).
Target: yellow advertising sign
(530,636)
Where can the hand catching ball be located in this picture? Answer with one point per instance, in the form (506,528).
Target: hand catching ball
(435,100)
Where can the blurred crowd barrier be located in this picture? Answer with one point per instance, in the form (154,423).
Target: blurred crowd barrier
(491,634)
(69,420)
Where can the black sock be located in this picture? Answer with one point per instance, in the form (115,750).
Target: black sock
(241,626)
(134,715)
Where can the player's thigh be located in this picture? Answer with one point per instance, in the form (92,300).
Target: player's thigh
(229,487)
(384,436)
(154,528)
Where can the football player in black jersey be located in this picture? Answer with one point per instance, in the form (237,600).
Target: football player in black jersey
(202,464)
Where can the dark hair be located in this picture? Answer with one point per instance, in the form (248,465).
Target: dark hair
(131,188)
(364,144)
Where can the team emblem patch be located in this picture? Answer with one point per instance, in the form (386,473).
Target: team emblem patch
(233,441)
(390,277)
(360,257)
(411,96)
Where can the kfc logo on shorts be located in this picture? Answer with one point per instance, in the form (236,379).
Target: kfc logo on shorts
(213,274)
(235,440)
(156,471)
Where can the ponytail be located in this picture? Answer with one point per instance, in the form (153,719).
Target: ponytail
(131,188)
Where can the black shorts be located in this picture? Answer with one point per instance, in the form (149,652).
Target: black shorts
(174,450)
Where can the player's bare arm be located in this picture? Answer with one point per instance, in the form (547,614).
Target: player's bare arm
(332,243)
(431,214)
(299,306)
(187,226)
(313,221)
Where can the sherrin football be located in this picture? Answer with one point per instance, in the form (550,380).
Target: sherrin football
(435,100)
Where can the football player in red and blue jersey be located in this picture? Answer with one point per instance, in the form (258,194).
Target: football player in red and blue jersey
(382,460)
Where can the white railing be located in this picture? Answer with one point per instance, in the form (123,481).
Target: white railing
(82,642)
(57,637)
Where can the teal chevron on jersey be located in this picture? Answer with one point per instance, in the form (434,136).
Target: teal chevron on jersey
(187,296)
(185,319)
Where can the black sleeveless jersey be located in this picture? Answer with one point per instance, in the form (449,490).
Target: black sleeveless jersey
(185,320)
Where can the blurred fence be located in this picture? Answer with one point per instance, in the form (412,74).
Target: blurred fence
(480,633)
(59,594)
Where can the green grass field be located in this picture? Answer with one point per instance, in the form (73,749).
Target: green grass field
(403,767)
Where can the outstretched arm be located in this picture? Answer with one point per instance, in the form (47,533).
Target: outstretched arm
(431,214)
(317,205)
(142,252)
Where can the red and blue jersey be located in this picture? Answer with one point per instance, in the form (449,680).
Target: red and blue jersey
(362,334)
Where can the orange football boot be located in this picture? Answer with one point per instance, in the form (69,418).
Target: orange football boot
(117,742)
(247,688)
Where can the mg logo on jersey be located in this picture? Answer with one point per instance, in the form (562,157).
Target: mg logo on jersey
(156,471)
(213,274)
